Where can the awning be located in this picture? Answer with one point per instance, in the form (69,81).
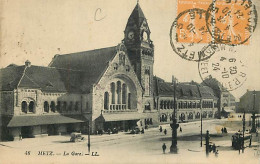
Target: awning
(229,111)
(17,121)
(122,116)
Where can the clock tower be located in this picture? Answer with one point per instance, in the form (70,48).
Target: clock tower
(141,51)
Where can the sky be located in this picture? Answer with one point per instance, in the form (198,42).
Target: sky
(37,30)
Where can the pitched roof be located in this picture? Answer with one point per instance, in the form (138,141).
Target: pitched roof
(92,64)
(76,72)
(10,77)
(183,90)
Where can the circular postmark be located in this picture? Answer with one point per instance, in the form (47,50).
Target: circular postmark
(189,36)
(224,68)
(231,21)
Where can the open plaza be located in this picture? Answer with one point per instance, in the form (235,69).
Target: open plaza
(138,148)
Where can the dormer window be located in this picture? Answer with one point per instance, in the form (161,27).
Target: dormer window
(115,66)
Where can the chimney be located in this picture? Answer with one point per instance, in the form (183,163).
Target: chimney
(27,63)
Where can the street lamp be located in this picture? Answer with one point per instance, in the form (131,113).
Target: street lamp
(89,129)
(201,123)
(174,125)
(253,130)
(244,123)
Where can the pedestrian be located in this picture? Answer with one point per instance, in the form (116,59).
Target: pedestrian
(214,148)
(222,130)
(180,129)
(225,130)
(216,153)
(165,131)
(109,131)
(163,148)
(20,137)
(160,128)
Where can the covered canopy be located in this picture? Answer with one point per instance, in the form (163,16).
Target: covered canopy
(121,116)
(27,120)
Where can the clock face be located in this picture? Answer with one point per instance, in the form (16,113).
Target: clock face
(145,36)
(131,35)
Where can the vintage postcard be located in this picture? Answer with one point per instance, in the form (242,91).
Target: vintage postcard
(140,81)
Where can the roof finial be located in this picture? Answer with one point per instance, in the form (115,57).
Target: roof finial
(137,1)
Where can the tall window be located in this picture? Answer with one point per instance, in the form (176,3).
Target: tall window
(70,106)
(52,106)
(31,106)
(147,84)
(76,106)
(129,100)
(24,107)
(113,92)
(106,100)
(58,106)
(64,108)
(46,106)
(124,94)
(118,92)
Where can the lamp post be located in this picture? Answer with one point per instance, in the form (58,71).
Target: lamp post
(253,129)
(201,123)
(174,125)
(89,137)
(244,123)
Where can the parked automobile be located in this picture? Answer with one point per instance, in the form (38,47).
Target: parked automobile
(76,137)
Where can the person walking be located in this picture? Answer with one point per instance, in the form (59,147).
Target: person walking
(180,129)
(165,131)
(163,148)
(160,129)
(20,137)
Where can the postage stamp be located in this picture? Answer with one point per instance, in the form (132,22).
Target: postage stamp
(200,23)
(224,67)
(231,21)
(188,29)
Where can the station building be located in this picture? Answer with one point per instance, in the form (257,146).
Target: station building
(111,87)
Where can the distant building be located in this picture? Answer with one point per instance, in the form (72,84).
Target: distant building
(246,102)
(226,101)
(193,101)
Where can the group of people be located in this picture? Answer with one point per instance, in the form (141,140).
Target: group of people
(224,130)
(213,148)
(165,130)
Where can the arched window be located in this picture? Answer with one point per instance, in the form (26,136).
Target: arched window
(112,86)
(64,108)
(106,100)
(76,106)
(31,106)
(124,93)
(70,106)
(129,100)
(172,104)
(164,104)
(118,92)
(58,106)
(46,106)
(52,106)
(161,104)
(24,107)
(197,115)
(190,116)
(168,104)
